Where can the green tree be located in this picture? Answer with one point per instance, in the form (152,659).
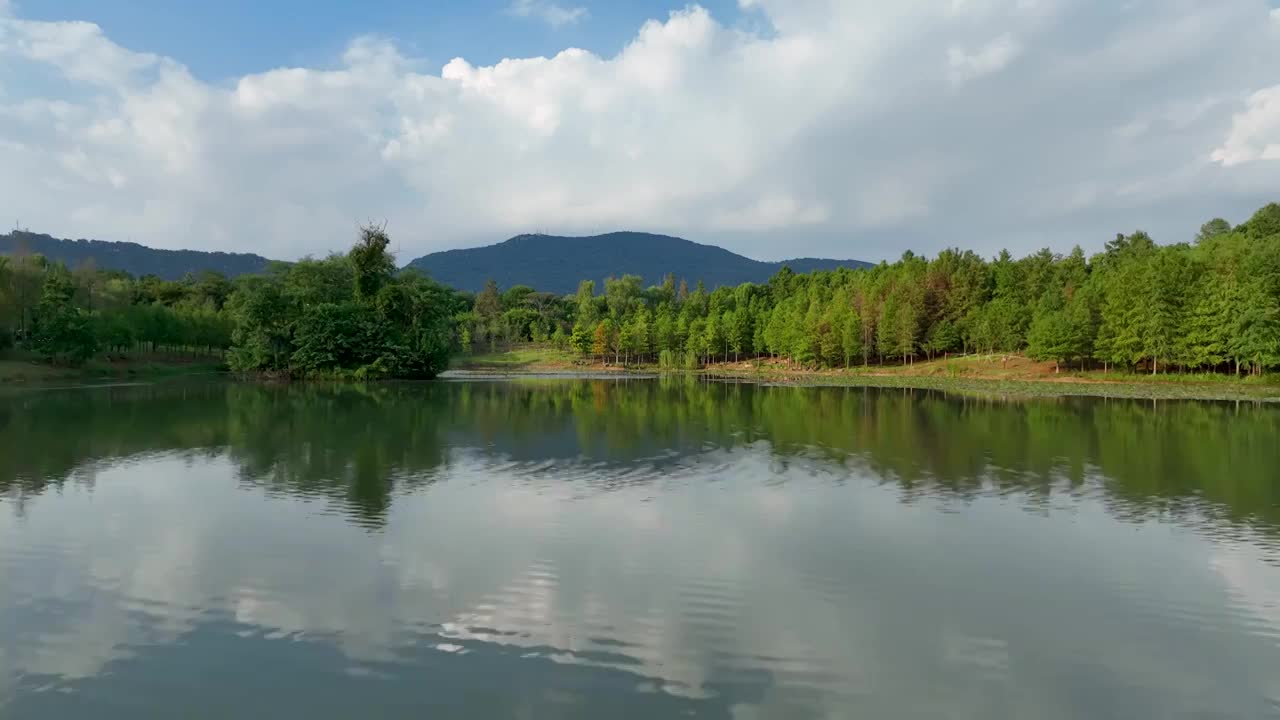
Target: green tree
(263,336)
(331,338)
(943,337)
(61,329)
(371,264)
(852,346)
(581,339)
(585,303)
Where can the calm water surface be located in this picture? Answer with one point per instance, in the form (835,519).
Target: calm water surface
(642,549)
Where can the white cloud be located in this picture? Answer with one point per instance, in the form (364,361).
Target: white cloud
(1255,133)
(990,58)
(549,11)
(839,131)
(78,49)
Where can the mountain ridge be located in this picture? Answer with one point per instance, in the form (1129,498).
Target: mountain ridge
(130,257)
(550,263)
(557,263)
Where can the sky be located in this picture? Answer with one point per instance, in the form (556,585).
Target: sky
(775,128)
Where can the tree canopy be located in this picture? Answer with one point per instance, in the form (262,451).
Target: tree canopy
(346,315)
(1209,305)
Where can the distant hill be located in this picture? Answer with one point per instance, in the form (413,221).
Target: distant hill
(132,258)
(556,264)
(546,262)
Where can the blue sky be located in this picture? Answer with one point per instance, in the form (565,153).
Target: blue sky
(775,128)
(225,39)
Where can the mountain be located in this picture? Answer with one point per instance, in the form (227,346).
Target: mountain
(135,259)
(546,262)
(556,264)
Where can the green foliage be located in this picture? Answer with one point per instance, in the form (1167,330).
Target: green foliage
(371,265)
(1264,224)
(332,338)
(944,337)
(1214,305)
(1211,306)
(61,330)
(263,336)
(581,340)
(559,338)
(386,326)
(71,316)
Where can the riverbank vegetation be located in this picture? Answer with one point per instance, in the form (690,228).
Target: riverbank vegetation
(979,374)
(347,315)
(1209,308)
(57,323)
(1212,306)
(19,367)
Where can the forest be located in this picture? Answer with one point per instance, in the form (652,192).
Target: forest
(1211,305)
(350,315)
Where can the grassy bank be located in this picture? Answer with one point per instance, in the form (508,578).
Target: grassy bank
(1012,375)
(983,374)
(18,368)
(529,359)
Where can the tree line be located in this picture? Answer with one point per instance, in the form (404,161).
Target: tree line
(346,315)
(73,315)
(1209,305)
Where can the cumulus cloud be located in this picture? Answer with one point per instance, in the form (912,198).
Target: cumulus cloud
(850,128)
(549,11)
(1255,133)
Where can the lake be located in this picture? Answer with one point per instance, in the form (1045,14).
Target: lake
(634,549)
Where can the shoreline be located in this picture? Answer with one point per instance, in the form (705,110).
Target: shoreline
(1118,389)
(1024,379)
(25,371)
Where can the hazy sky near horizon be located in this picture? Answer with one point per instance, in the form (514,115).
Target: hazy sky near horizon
(775,128)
